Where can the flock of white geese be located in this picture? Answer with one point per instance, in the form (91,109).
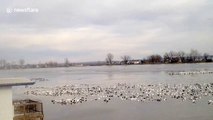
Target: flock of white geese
(80,93)
(190,72)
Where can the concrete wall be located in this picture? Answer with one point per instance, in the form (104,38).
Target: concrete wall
(6,107)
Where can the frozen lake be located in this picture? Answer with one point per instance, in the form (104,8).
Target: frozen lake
(117,109)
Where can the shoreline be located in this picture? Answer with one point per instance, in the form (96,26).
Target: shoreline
(108,65)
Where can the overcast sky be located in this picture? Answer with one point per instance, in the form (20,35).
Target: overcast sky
(86,30)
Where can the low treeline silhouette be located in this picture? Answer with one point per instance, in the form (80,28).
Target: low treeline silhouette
(168,58)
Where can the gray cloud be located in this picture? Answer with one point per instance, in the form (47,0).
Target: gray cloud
(87,30)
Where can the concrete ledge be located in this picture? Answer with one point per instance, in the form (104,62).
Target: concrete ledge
(15,82)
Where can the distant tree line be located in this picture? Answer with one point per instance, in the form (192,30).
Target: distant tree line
(4,64)
(169,57)
(181,57)
(20,64)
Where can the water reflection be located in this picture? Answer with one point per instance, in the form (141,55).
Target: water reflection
(110,75)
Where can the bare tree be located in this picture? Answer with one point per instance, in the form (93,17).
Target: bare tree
(168,57)
(194,54)
(125,58)
(1,63)
(21,62)
(109,59)
(205,55)
(155,59)
(66,62)
(51,64)
(173,54)
(181,55)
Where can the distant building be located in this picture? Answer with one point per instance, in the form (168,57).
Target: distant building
(135,62)
(209,58)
